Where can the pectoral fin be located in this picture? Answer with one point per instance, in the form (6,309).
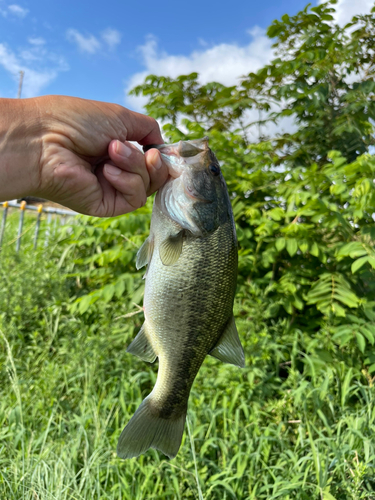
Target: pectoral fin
(229,348)
(145,253)
(141,346)
(171,248)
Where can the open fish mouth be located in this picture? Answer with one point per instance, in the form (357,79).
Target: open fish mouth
(185,149)
(178,155)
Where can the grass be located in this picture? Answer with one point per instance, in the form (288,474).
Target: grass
(275,430)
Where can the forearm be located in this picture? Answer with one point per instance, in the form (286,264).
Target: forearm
(20,147)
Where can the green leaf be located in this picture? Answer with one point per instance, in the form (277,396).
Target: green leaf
(276,214)
(353,249)
(369,310)
(108,292)
(326,494)
(138,294)
(314,249)
(361,342)
(368,334)
(85,303)
(280,244)
(357,264)
(119,288)
(338,310)
(291,246)
(303,246)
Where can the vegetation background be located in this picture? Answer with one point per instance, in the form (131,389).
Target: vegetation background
(299,421)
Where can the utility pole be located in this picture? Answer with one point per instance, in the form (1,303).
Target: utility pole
(20,84)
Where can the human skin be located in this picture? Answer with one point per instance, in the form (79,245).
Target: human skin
(76,152)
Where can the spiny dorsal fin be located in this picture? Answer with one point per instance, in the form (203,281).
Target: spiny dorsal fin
(145,253)
(141,346)
(171,248)
(229,348)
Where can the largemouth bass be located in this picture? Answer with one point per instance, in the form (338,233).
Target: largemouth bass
(191,257)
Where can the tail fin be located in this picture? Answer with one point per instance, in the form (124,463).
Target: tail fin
(146,430)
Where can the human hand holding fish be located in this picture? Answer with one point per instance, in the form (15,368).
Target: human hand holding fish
(191,257)
(76,152)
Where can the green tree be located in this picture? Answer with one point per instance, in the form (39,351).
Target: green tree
(323,77)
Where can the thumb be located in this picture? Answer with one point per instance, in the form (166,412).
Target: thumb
(157,170)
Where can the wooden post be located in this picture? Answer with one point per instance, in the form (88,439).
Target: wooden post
(37,227)
(3,223)
(20,225)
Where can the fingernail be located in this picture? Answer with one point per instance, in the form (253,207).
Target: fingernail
(156,161)
(111,170)
(123,150)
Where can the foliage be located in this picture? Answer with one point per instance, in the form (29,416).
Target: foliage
(269,431)
(322,77)
(298,421)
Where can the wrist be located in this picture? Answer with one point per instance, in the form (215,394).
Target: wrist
(20,148)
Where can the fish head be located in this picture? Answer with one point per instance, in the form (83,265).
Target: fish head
(195,194)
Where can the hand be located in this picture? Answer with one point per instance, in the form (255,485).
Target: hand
(77,155)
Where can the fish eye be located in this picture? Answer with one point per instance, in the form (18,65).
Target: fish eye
(214,169)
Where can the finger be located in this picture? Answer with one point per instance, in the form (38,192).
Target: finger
(157,170)
(129,185)
(141,128)
(129,158)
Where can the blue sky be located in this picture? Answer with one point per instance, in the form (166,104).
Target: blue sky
(98,50)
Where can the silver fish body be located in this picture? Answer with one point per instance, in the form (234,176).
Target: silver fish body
(190,286)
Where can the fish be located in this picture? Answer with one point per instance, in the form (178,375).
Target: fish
(190,283)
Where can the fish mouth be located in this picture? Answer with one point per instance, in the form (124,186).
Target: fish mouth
(194,196)
(185,149)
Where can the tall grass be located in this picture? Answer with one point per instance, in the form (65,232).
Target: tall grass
(275,430)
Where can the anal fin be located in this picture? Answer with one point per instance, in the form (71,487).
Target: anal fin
(229,348)
(141,346)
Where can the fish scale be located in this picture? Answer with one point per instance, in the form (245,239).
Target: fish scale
(190,286)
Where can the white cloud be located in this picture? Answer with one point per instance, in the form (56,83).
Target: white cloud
(17,10)
(224,63)
(36,41)
(111,37)
(40,67)
(14,9)
(346,9)
(89,43)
